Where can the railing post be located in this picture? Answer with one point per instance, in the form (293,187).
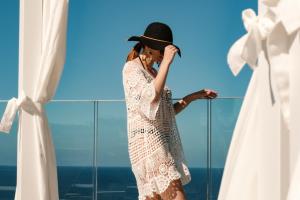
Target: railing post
(95,147)
(209,181)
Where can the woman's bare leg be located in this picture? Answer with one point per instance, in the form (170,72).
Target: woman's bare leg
(156,197)
(174,191)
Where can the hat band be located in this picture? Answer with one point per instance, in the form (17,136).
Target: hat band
(156,39)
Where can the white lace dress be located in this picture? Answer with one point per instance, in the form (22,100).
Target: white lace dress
(154,144)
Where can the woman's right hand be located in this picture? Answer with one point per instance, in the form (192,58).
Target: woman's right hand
(169,54)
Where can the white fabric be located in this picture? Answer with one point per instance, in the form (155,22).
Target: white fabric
(294,191)
(42,56)
(154,144)
(263,155)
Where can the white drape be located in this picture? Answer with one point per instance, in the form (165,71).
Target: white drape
(294,140)
(262,159)
(41,60)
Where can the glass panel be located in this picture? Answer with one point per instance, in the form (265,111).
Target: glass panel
(192,126)
(224,113)
(115,178)
(72,126)
(8,159)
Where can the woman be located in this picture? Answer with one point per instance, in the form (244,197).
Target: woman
(154,144)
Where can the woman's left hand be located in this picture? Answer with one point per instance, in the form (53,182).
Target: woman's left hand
(204,94)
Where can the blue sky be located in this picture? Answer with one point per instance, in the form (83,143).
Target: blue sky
(97,46)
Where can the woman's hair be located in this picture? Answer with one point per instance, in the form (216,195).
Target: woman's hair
(135,51)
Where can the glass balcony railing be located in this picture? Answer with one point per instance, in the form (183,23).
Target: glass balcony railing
(90,138)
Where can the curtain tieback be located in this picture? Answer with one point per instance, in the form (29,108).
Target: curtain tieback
(23,102)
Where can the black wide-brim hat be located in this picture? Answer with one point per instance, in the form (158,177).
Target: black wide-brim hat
(156,36)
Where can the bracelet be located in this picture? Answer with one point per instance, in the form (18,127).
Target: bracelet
(183,103)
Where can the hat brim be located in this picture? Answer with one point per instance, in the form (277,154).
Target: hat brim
(153,44)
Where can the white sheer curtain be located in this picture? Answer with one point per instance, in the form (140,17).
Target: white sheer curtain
(294,187)
(264,151)
(41,59)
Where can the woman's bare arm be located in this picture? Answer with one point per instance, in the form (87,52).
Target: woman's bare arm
(181,104)
(160,79)
(185,101)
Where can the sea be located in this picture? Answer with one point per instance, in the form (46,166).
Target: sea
(113,183)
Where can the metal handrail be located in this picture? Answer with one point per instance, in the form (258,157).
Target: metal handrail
(117,100)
